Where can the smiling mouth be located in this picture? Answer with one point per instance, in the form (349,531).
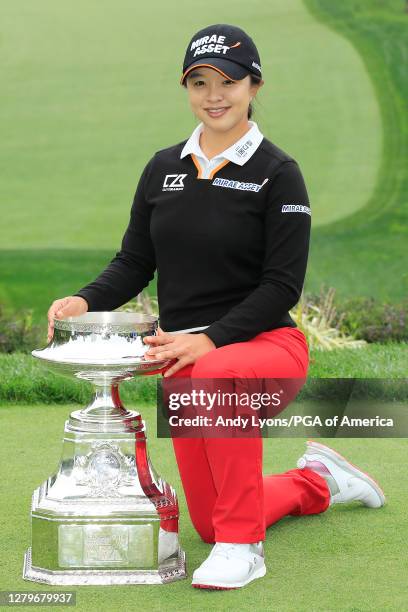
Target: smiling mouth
(217,112)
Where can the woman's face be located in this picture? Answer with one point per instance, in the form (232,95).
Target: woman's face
(208,89)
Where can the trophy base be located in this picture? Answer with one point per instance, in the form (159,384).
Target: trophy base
(105,516)
(174,571)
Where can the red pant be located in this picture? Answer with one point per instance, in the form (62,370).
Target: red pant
(228,498)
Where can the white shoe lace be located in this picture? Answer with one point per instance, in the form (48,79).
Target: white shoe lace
(228,550)
(224,549)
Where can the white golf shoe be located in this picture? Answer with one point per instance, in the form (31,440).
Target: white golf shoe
(346,482)
(230,566)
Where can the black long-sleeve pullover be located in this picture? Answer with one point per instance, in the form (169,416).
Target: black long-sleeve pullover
(230,251)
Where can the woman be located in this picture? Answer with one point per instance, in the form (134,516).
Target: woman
(224,216)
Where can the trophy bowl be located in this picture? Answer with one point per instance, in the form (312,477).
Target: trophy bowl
(105,516)
(101,343)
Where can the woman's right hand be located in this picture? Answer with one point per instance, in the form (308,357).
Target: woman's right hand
(71,306)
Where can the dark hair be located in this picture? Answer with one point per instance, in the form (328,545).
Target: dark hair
(255,79)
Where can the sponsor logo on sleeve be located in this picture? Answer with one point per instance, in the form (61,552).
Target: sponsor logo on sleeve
(289,208)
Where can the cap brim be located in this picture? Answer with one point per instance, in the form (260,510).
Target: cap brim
(230,70)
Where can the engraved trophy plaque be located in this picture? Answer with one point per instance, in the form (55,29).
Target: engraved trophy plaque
(105,516)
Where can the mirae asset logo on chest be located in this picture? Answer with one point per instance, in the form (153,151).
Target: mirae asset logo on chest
(175,182)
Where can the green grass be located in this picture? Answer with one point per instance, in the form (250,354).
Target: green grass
(365,253)
(349,558)
(34,279)
(371,361)
(95,114)
(25,379)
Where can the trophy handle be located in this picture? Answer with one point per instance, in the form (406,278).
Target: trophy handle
(164,501)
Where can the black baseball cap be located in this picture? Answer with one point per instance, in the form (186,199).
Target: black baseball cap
(226,48)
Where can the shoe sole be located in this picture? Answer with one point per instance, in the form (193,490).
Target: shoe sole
(259,573)
(348,467)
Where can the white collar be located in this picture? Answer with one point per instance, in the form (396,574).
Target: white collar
(239,152)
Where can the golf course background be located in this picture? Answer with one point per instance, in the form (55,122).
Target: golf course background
(88,96)
(89,92)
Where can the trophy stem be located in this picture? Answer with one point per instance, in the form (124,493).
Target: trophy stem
(106,401)
(105,412)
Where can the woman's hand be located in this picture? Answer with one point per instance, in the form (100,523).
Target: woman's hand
(186,348)
(71,306)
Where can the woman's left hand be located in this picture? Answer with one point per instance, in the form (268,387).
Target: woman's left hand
(186,348)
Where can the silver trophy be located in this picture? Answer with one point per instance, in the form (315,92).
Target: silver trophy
(105,516)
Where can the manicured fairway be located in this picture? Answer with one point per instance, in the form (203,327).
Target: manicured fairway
(347,559)
(365,253)
(89,96)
